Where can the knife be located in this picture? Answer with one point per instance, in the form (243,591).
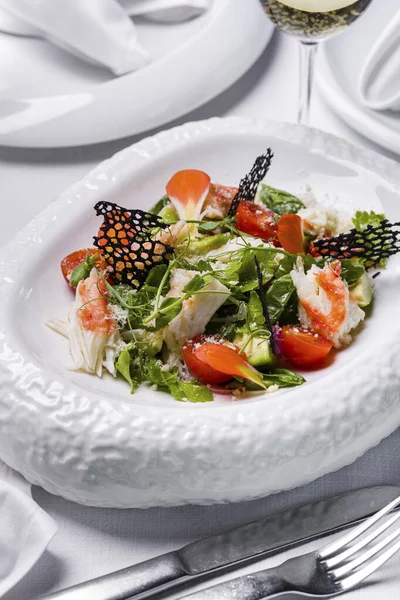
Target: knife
(238,547)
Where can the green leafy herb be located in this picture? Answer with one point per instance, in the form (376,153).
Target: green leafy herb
(130,364)
(168,381)
(352,270)
(255,316)
(210,225)
(279,295)
(256,324)
(155,277)
(362,219)
(140,304)
(82,271)
(195,284)
(169,309)
(195,392)
(283,378)
(201,265)
(278,201)
(225,330)
(232,311)
(286,264)
(242,272)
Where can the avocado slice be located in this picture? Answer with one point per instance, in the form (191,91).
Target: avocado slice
(169,214)
(211,242)
(149,341)
(362,291)
(258,350)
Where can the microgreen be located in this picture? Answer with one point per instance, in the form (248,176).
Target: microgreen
(278,201)
(169,381)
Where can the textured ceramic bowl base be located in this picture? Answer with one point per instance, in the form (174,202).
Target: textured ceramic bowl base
(90,441)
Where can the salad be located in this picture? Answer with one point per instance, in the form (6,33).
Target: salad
(221,289)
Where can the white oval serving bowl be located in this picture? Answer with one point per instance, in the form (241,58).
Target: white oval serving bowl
(90,441)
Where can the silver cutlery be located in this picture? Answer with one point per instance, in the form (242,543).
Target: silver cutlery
(210,557)
(333,569)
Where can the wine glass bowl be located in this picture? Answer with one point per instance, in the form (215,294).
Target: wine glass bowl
(312,21)
(315,24)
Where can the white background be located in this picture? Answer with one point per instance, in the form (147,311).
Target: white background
(92,542)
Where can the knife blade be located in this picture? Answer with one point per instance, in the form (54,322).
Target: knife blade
(218,554)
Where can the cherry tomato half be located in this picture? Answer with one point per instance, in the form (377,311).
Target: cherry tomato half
(73,260)
(217,361)
(302,347)
(256,220)
(202,371)
(219,200)
(290,233)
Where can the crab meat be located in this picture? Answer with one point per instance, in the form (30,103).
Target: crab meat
(325,303)
(196,311)
(94,340)
(173,235)
(321,221)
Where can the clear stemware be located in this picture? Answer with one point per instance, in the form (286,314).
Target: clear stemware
(311,21)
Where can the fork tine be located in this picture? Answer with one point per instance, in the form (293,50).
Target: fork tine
(340,558)
(333,547)
(365,556)
(359,576)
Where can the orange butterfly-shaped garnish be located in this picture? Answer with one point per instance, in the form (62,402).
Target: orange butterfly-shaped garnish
(125,237)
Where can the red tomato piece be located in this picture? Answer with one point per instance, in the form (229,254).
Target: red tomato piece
(290,233)
(256,220)
(219,200)
(204,372)
(73,260)
(217,361)
(303,347)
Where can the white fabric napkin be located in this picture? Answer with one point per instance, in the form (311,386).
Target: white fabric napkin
(25,529)
(379,83)
(99,31)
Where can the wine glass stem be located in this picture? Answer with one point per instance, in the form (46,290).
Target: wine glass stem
(308,52)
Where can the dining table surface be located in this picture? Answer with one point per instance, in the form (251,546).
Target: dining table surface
(92,541)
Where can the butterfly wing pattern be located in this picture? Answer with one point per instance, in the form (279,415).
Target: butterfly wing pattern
(126,238)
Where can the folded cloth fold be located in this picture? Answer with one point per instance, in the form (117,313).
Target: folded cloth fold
(25,529)
(379,82)
(166,10)
(99,31)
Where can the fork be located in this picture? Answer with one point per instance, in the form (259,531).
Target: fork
(333,569)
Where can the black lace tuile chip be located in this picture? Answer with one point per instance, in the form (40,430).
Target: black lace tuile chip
(373,245)
(249,184)
(127,245)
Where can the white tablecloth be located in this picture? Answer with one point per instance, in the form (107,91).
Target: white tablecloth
(91,542)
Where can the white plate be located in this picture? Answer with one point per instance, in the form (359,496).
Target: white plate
(49,98)
(89,440)
(338,72)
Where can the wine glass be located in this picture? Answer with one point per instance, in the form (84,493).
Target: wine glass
(311,21)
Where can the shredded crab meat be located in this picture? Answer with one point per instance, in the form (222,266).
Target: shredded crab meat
(326,305)
(173,235)
(92,332)
(322,221)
